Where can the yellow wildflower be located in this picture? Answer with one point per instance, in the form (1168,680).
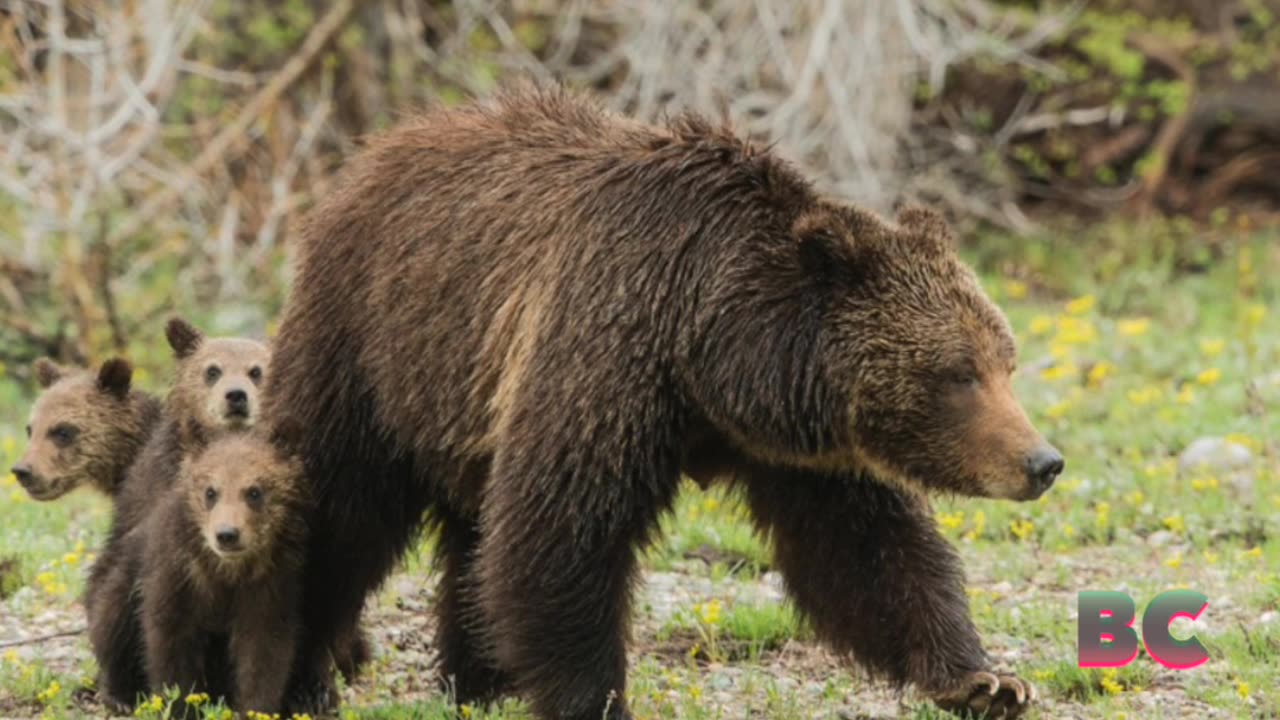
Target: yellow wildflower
(1135,498)
(1254,552)
(1041,324)
(465,711)
(1242,689)
(1186,395)
(1081,305)
(11,657)
(1210,557)
(710,505)
(1174,523)
(1060,371)
(709,612)
(1068,530)
(1255,314)
(1021,528)
(952,520)
(1212,347)
(1075,331)
(1209,377)
(1099,372)
(1244,441)
(1109,683)
(197,699)
(1133,327)
(1015,289)
(1058,409)
(979,524)
(44,697)
(1202,484)
(1174,562)
(1144,395)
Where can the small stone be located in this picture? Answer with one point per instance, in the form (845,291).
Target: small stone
(1214,455)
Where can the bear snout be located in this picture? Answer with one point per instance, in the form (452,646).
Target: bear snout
(26,478)
(1043,466)
(227,538)
(237,402)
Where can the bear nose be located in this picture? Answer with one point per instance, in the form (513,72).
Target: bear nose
(228,538)
(1043,467)
(237,398)
(22,471)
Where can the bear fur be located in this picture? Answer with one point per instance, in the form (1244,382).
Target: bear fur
(221,563)
(517,323)
(85,429)
(216,389)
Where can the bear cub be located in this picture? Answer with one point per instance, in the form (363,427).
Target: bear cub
(85,429)
(221,562)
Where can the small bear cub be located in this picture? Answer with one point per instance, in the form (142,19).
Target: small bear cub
(222,562)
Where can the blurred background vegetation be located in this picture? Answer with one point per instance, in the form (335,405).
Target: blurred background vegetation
(156,154)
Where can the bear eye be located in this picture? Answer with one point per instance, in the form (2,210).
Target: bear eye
(212,373)
(63,434)
(255,374)
(253,495)
(963,376)
(210,496)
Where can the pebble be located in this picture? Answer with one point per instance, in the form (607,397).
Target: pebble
(1230,461)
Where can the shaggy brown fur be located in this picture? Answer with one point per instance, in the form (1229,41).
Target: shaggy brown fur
(221,560)
(85,429)
(527,318)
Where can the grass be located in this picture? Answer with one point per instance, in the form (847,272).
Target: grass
(1132,347)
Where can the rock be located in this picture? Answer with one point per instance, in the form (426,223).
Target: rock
(1229,461)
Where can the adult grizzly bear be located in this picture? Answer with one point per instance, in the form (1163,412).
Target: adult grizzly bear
(527,318)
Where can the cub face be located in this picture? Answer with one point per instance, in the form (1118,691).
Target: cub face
(245,491)
(219,381)
(79,429)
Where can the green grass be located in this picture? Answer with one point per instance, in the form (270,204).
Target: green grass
(1134,341)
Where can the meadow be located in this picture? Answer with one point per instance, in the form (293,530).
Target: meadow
(1141,346)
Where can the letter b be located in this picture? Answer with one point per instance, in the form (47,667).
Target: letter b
(1106,635)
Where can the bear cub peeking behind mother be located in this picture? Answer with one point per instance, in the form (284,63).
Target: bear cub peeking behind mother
(519,322)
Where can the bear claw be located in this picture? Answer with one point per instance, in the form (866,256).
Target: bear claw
(988,695)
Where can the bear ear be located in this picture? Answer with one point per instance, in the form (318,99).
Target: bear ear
(183,337)
(928,225)
(286,436)
(827,247)
(114,377)
(47,372)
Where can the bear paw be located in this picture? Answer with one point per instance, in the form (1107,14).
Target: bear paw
(988,695)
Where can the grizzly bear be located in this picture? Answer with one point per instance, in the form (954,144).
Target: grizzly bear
(518,323)
(85,429)
(221,564)
(216,389)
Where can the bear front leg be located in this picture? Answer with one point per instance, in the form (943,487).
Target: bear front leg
(864,561)
(466,672)
(114,632)
(176,647)
(561,524)
(264,642)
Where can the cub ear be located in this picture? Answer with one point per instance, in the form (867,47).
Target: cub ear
(183,337)
(928,225)
(114,378)
(47,372)
(827,246)
(286,436)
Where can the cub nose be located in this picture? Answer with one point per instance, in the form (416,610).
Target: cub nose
(22,471)
(237,398)
(1043,467)
(228,538)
